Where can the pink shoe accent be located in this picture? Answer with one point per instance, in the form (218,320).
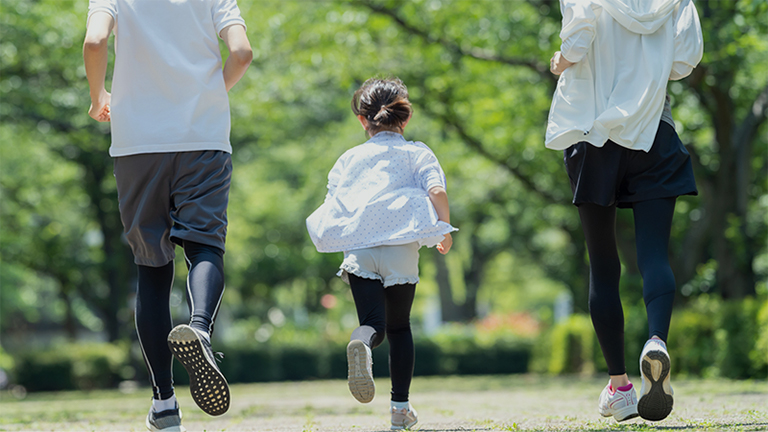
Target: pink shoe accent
(627,387)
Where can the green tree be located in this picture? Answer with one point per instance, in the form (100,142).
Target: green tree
(477,73)
(486,41)
(43,95)
(730,154)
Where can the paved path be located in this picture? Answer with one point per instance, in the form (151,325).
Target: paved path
(489,403)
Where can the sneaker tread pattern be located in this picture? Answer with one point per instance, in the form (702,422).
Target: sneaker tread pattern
(361,384)
(207,384)
(656,404)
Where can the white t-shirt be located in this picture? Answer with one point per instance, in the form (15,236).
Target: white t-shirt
(168,92)
(378,195)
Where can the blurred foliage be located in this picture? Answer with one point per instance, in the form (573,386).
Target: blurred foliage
(293,354)
(574,347)
(478,78)
(709,338)
(81,366)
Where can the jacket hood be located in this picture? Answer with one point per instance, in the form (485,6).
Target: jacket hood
(640,16)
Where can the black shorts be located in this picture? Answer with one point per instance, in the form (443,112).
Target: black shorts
(166,198)
(615,175)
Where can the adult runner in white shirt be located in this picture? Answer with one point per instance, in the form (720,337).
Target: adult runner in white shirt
(620,151)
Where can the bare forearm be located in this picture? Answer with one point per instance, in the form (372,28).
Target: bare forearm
(235,67)
(439,199)
(95,51)
(240,54)
(95,55)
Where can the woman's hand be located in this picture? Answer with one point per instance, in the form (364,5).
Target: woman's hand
(558,64)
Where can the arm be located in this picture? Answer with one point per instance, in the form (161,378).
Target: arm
(689,42)
(334,176)
(240,54)
(439,199)
(577,34)
(95,56)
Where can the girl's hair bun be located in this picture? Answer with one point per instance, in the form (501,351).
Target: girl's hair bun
(384,103)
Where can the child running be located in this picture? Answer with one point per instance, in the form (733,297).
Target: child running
(611,116)
(386,198)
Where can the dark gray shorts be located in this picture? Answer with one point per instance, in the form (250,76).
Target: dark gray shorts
(165,198)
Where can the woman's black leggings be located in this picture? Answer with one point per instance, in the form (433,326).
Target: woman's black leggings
(653,222)
(205,287)
(388,309)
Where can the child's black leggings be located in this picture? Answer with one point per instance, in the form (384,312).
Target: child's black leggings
(205,287)
(653,222)
(388,309)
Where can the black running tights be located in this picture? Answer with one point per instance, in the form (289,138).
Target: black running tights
(205,286)
(653,222)
(388,309)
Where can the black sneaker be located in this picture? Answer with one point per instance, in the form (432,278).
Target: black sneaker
(165,421)
(207,384)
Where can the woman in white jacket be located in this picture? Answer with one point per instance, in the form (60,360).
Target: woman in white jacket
(611,116)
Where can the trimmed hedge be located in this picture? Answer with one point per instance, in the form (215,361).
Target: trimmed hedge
(710,337)
(73,366)
(574,348)
(707,338)
(92,366)
(261,363)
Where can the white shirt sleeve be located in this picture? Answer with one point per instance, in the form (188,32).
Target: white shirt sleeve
(689,42)
(427,169)
(225,14)
(578,29)
(334,177)
(108,6)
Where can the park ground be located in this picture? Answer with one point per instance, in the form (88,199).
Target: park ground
(478,403)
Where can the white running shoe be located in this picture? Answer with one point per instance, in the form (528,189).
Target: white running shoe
(403,418)
(360,371)
(656,392)
(622,405)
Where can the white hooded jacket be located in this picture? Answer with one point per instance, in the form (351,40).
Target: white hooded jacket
(625,52)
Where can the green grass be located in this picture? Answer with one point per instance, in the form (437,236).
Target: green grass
(481,403)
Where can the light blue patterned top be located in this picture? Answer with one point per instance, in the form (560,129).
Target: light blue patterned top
(378,195)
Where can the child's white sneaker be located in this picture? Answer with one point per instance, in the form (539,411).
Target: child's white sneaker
(360,371)
(403,417)
(620,403)
(656,392)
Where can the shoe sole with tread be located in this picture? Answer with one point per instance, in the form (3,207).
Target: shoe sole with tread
(360,382)
(207,384)
(656,403)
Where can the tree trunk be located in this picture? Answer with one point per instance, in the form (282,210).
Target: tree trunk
(70,322)
(118,267)
(449,311)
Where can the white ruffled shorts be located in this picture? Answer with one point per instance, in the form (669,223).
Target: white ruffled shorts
(393,265)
